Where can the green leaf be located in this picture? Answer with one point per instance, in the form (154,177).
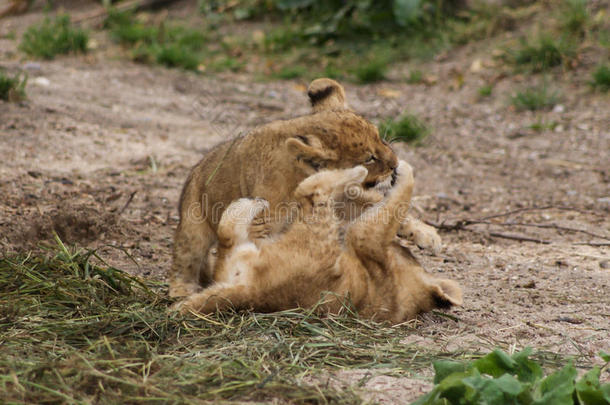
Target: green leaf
(488,390)
(406,11)
(443,368)
(557,388)
(527,370)
(495,364)
(589,391)
(605,356)
(293,4)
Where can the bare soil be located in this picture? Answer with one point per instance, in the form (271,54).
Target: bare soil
(98,153)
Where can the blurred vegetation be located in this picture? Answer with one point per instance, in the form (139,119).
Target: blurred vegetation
(54,37)
(406,128)
(601,78)
(537,97)
(344,39)
(172,46)
(12,87)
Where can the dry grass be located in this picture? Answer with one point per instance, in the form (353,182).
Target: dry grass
(73,331)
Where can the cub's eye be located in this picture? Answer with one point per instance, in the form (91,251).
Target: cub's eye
(370,160)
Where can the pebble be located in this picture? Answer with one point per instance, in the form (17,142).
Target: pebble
(559,108)
(42,81)
(31,66)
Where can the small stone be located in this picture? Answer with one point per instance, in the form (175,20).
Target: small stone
(42,81)
(476,66)
(559,108)
(31,66)
(604,264)
(559,128)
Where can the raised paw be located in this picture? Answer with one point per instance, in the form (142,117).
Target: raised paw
(404,171)
(423,235)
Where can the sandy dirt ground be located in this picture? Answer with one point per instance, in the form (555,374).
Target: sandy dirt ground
(100,149)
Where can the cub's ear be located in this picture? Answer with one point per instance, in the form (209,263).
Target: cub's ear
(326,94)
(309,148)
(446,293)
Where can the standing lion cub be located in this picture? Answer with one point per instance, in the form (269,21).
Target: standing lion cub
(269,163)
(320,253)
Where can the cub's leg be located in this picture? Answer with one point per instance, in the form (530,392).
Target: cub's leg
(423,235)
(236,253)
(376,228)
(218,297)
(189,271)
(236,222)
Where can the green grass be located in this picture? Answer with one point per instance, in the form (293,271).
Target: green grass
(541,126)
(601,78)
(538,97)
(407,128)
(371,71)
(173,46)
(574,16)
(73,331)
(54,37)
(485,91)
(291,72)
(542,53)
(415,77)
(12,88)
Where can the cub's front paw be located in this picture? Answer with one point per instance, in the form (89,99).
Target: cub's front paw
(404,171)
(423,235)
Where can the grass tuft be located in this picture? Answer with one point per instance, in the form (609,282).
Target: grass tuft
(543,53)
(574,16)
(415,77)
(535,98)
(54,37)
(601,78)
(171,46)
(407,128)
(485,91)
(371,71)
(12,88)
(291,72)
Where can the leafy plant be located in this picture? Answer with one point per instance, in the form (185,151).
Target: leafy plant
(12,88)
(408,128)
(535,98)
(54,37)
(498,378)
(601,78)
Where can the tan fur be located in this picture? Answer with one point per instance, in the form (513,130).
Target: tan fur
(313,257)
(270,162)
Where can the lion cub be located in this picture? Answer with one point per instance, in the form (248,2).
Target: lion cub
(319,253)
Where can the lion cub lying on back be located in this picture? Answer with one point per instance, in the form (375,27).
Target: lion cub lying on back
(320,253)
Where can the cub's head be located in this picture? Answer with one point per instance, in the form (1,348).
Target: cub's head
(334,137)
